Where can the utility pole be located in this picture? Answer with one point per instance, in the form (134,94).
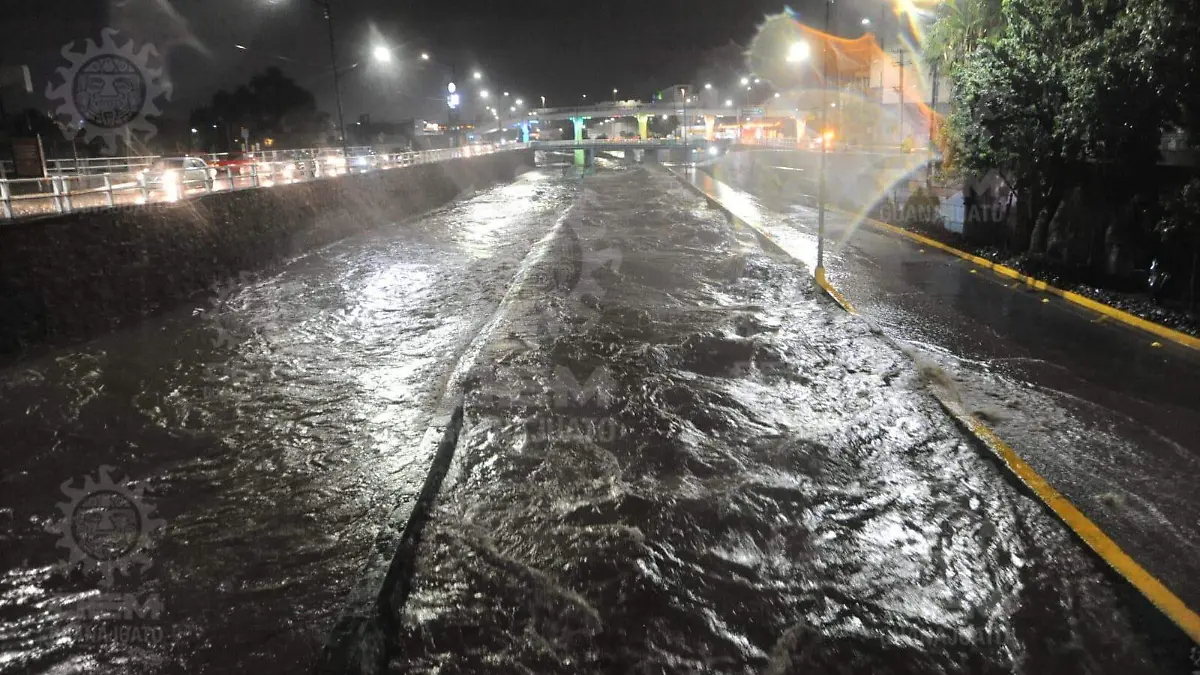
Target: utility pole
(900,53)
(337,86)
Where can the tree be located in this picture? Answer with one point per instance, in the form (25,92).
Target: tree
(960,28)
(1180,227)
(1052,120)
(271,105)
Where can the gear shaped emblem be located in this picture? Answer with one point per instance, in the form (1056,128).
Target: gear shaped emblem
(111,89)
(105,526)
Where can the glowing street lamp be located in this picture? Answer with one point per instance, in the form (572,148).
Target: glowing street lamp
(382,54)
(798,52)
(728,103)
(477,75)
(866,21)
(708,86)
(483,94)
(424,56)
(520,103)
(745,81)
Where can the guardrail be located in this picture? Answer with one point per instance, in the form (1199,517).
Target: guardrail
(31,197)
(95,166)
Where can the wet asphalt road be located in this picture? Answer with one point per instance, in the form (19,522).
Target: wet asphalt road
(272,428)
(1110,420)
(675,459)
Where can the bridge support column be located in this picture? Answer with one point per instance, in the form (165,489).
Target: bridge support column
(710,127)
(643,127)
(581,156)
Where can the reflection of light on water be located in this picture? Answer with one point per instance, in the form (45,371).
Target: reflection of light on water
(797,244)
(487,216)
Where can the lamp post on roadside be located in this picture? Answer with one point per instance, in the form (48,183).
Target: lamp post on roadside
(337,85)
(801,52)
(819,273)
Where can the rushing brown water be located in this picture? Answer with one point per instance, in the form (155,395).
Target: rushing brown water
(679,460)
(272,428)
(674,459)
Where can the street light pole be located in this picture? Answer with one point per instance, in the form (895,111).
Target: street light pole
(337,85)
(820,271)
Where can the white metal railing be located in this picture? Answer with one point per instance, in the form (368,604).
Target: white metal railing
(89,166)
(30,197)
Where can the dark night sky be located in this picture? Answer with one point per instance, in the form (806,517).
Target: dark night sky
(560,49)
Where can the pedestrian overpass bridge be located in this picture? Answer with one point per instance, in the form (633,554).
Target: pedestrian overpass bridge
(642,112)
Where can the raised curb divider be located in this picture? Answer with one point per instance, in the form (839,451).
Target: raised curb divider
(362,640)
(1151,588)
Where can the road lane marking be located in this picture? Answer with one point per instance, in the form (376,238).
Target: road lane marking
(1101,319)
(1091,534)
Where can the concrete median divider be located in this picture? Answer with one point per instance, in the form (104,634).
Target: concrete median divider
(73,276)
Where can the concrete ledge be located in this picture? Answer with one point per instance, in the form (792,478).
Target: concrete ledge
(77,275)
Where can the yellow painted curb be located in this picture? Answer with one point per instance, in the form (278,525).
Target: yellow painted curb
(1037,284)
(833,292)
(1091,534)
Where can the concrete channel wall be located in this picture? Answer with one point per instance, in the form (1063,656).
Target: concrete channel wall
(76,275)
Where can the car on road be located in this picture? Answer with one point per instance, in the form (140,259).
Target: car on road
(235,163)
(177,174)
